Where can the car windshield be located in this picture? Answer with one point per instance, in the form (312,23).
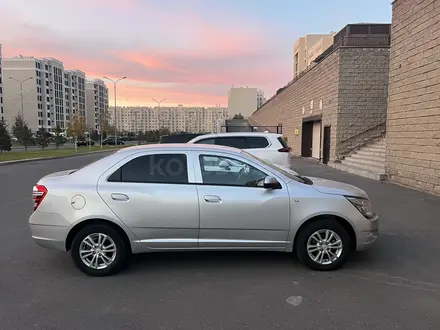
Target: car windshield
(296,177)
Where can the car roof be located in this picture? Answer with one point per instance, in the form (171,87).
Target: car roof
(212,135)
(178,146)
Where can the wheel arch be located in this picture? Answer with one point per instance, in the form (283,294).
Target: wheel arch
(77,228)
(343,222)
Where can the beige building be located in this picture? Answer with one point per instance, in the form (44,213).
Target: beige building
(1,85)
(75,93)
(43,92)
(96,103)
(306,49)
(176,119)
(339,104)
(244,100)
(413,126)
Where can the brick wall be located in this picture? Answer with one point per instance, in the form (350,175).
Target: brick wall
(363,93)
(413,127)
(351,84)
(319,83)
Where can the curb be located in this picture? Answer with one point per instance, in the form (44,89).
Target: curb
(30,160)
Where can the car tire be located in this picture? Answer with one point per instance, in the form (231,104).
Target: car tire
(82,241)
(309,234)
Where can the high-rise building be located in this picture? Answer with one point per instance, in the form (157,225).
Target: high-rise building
(75,94)
(96,103)
(308,48)
(34,88)
(1,85)
(244,100)
(176,119)
(260,99)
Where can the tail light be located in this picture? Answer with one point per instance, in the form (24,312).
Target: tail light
(285,149)
(38,194)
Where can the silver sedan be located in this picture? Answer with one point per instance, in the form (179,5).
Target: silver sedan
(196,197)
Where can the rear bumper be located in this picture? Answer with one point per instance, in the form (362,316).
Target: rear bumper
(50,237)
(49,230)
(367,237)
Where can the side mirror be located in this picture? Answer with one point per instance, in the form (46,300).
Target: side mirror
(271,183)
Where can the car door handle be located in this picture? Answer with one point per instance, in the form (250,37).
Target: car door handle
(119,197)
(212,199)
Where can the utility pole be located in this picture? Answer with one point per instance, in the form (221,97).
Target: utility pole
(21,92)
(114,89)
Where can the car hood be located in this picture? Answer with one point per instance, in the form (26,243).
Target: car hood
(337,188)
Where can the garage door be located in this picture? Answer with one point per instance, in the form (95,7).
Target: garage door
(316,140)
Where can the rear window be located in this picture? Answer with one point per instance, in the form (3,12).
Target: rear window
(283,142)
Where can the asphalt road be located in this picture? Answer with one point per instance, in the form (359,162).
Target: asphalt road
(396,285)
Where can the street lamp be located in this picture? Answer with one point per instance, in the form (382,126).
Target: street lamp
(159,102)
(21,92)
(114,88)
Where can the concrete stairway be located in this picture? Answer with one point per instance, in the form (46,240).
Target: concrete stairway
(368,161)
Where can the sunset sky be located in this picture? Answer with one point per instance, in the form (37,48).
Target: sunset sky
(187,51)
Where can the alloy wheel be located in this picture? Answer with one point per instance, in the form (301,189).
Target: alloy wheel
(97,251)
(324,246)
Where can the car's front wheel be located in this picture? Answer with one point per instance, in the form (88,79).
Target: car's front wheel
(323,245)
(99,250)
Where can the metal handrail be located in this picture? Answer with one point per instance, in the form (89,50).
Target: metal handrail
(362,132)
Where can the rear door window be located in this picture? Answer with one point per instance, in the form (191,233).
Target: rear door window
(206,141)
(157,168)
(256,142)
(231,141)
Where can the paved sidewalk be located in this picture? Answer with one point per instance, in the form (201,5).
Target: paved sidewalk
(409,223)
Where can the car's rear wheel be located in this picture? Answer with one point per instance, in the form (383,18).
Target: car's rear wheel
(99,250)
(323,245)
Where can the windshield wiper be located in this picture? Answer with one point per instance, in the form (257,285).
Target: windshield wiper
(305,179)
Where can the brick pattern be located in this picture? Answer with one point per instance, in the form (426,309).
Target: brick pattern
(352,85)
(363,93)
(319,83)
(413,127)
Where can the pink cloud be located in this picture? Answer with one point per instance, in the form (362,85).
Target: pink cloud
(205,61)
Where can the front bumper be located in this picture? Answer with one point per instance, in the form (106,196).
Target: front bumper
(368,236)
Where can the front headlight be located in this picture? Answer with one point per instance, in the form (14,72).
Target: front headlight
(363,205)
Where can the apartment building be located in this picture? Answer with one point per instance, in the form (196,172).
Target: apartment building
(306,49)
(176,119)
(1,85)
(96,103)
(260,99)
(34,88)
(75,94)
(244,100)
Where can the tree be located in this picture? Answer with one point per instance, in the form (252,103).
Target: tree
(238,116)
(59,139)
(27,137)
(42,138)
(76,127)
(22,132)
(5,138)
